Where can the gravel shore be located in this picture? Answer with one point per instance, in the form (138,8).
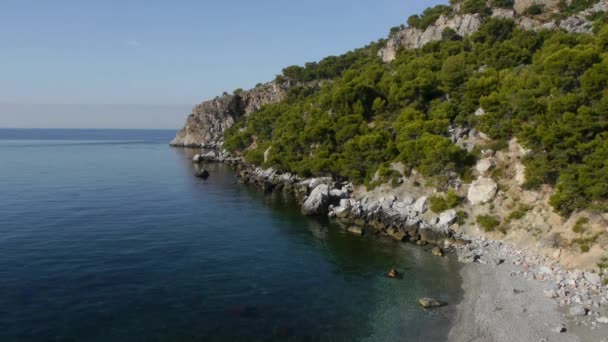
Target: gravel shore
(501,305)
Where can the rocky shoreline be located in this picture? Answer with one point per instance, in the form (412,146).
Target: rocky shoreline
(581,294)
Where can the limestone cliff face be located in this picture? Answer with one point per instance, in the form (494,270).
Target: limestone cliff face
(413,38)
(521,6)
(467,24)
(209,120)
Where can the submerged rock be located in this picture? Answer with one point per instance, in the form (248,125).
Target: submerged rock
(431,303)
(204,174)
(392,273)
(356,230)
(437,251)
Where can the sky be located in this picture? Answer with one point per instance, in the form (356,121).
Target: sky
(144,64)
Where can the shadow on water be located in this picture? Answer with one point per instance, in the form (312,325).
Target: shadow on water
(356,273)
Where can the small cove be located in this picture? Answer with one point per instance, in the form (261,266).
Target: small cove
(109,236)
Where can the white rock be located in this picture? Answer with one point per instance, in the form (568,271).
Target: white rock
(550,293)
(420,206)
(316,203)
(484,165)
(482,191)
(503,13)
(338,193)
(266,154)
(446,218)
(603,320)
(578,310)
(480,112)
(593,278)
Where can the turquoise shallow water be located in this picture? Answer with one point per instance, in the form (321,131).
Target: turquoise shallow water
(108,236)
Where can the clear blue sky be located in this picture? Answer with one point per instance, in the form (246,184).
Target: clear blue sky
(166,52)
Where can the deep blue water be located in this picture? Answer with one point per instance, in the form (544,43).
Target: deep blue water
(106,235)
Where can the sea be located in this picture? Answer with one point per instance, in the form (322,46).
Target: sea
(107,235)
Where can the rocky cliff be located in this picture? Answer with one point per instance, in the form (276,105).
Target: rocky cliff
(208,120)
(413,38)
(467,24)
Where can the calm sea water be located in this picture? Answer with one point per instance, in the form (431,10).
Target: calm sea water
(107,236)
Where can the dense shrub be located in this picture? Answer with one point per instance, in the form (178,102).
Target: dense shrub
(488,223)
(428,17)
(440,204)
(547,89)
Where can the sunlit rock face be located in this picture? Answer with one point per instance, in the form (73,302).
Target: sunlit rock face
(209,120)
(413,38)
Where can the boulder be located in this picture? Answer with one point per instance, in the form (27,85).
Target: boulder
(431,303)
(338,194)
(317,202)
(398,235)
(484,165)
(209,156)
(392,273)
(197,158)
(204,174)
(482,191)
(578,310)
(356,230)
(550,293)
(446,218)
(503,13)
(602,319)
(420,206)
(432,236)
(437,251)
(593,278)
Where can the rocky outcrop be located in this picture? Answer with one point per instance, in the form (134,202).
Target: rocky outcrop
(521,6)
(578,23)
(413,38)
(316,204)
(209,120)
(466,24)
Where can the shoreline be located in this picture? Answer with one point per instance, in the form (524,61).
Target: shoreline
(510,294)
(499,305)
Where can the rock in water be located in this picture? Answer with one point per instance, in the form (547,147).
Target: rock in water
(204,174)
(437,251)
(392,273)
(316,204)
(356,230)
(197,159)
(431,303)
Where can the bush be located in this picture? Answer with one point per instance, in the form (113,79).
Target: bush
(440,204)
(461,216)
(503,3)
(519,213)
(476,6)
(579,226)
(488,222)
(428,17)
(534,9)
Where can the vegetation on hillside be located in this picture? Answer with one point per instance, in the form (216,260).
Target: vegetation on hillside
(548,89)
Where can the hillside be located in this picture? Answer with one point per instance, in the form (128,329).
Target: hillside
(510,95)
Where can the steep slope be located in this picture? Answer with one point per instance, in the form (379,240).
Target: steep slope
(209,120)
(499,114)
